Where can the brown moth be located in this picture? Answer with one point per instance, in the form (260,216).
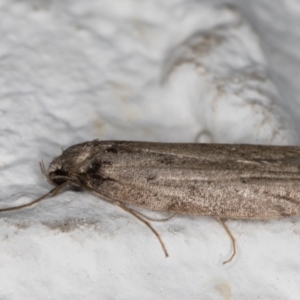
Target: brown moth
(218,180)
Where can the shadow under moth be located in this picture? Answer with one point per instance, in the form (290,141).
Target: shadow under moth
(218,180)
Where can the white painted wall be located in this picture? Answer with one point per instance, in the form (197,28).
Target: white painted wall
(168,71)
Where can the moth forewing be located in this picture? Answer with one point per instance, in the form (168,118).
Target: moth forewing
(219,180)
(214,185)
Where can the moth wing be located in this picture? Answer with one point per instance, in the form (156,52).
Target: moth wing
(233,187)
(227,181)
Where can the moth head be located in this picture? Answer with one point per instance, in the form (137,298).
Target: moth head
(70,164)
(57,174)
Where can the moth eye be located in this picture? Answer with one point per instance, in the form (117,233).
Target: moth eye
(60,172)
(55,176)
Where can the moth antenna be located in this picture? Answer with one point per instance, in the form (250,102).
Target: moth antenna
(43,170)
(232,241)
(50,194)
(133,212)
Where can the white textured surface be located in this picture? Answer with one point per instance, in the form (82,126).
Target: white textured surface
(72,71)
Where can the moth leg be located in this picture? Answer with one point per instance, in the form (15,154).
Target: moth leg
(50,194)
(131,211)
(153,219)
(135,214)
(232,240)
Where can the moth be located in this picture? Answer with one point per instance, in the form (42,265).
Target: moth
(219,180)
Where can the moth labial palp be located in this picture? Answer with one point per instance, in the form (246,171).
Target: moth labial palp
(219,180)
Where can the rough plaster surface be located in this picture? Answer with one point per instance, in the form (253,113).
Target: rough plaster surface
(164,71)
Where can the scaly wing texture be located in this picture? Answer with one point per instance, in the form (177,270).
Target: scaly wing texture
(232,181)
